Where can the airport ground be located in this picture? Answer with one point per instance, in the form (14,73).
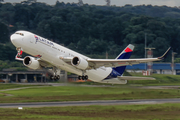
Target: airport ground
(23,93)
(71,92)
(114,112)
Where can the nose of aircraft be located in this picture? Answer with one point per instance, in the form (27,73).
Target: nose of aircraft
(15,38)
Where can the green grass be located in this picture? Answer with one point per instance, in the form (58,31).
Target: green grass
(161,79)
(1,95)
(76,93)
(115,112)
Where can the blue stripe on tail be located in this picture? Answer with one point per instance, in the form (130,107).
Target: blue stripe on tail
(118,71)
(121,69)
(125,54)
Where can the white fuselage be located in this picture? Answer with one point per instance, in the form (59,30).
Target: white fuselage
(51,53)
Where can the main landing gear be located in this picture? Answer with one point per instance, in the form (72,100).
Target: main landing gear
(56,72)
(83,77)
(54,77)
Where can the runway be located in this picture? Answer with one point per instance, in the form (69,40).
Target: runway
(87,103)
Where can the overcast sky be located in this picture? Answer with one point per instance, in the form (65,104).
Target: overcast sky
(171,3)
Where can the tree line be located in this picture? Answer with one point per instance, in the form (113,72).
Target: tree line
(93,30)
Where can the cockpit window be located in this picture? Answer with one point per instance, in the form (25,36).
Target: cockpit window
(20,34)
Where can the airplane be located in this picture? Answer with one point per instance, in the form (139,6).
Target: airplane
(47,54)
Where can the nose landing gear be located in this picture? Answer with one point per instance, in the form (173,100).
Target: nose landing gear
(19,52)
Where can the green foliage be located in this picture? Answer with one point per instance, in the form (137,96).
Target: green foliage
(177,60)
(9,64)
(4,33)
(93,30)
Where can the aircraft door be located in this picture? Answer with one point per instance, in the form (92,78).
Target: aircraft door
(32,40)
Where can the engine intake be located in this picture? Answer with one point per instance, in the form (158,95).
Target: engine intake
(31,62)
(79,63)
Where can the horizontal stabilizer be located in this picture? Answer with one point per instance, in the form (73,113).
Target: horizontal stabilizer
(135,78)
(114,81)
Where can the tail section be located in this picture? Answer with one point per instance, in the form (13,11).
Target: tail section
(125,54)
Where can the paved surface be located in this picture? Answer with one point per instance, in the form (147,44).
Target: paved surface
(87,103)
(15,89)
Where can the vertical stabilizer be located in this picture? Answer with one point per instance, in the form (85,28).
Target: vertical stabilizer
(125,54)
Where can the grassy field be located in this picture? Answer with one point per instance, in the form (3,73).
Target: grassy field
(117,112)
(161,79)
(76,93)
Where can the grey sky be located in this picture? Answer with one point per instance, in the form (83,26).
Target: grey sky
(171,3)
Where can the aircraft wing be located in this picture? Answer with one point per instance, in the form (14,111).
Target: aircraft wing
(116,63)
(96,63)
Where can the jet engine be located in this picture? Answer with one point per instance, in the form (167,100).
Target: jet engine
(79,63)
(31,62)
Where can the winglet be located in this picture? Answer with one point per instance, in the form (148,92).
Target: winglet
(165,54)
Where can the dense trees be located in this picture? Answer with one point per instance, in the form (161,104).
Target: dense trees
(93,29)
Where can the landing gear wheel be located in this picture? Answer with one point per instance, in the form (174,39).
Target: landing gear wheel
(58,77)
(86,77)
(51,77)
(55,77)
(79,77)
(83,77)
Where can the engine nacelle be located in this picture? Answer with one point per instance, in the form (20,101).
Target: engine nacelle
(31,62)
(79,63)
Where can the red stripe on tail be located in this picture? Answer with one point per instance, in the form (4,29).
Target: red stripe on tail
(128,50)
